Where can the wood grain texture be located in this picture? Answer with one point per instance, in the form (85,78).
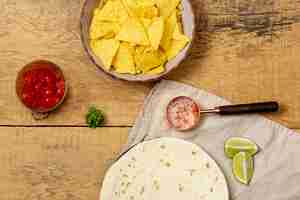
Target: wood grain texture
(56,163)
(245,51)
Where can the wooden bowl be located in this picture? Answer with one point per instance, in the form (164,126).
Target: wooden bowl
(188,21)
(39,64)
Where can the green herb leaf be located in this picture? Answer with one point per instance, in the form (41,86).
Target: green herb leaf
(94,117)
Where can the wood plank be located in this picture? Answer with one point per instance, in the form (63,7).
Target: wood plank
(56,163)
(248,7)
(244,51)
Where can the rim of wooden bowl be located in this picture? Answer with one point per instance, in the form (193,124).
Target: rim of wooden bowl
(188,21)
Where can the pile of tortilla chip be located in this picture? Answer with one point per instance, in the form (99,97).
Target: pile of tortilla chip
(137,36)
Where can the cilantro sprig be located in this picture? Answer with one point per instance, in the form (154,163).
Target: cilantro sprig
(94,117)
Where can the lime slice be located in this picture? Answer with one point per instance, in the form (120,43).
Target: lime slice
(235,145)
(243,167)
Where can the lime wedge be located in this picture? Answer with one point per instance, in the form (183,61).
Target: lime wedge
(235,145)
(243,167)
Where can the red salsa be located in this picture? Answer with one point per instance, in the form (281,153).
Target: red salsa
(42,86)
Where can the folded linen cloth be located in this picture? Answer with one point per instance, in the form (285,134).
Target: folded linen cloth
(277,166)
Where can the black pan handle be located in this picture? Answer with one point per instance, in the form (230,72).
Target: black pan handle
(249,108)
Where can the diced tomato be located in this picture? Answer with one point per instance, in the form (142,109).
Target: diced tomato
(43,86)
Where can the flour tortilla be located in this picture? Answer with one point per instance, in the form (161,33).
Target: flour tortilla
(165,168)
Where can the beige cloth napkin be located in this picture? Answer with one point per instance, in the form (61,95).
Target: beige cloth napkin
(277,165)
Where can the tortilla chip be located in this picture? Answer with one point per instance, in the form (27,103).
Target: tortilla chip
(113,11)
(180,7)
(141,8)
(179,12)
(141,49)
(157,70)
(109,36)
(155,32)
(134,32)
(146,2)
(96,11)
(149,59)
(100,29)
(129,6)
(105,49)
(166,7)
(96,17)
(177,35)
(169,28)
(146,22)
(124,60)
(177,46)
(146,11)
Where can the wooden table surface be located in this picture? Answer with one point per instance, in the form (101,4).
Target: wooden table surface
(245,51)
